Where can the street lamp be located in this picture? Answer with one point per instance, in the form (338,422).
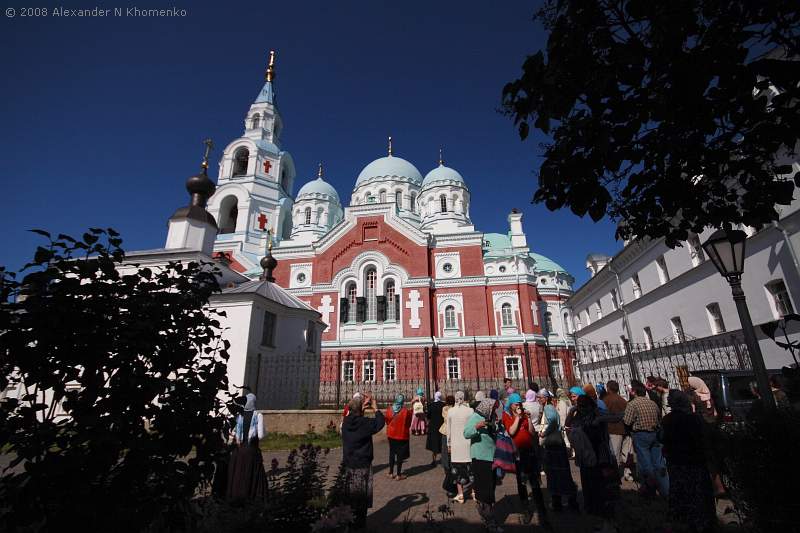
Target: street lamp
(726,250)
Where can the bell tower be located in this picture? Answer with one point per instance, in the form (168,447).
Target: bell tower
(255,181)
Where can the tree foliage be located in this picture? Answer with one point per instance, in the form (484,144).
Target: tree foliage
(667,117)
(121,370)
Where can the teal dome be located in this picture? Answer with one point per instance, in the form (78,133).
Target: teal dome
(390,167)
(442,173)
(318,186)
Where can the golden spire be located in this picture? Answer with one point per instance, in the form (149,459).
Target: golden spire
(269,240)
(441,160)
(209,145)
(390,145)
(319,171)
(271,66)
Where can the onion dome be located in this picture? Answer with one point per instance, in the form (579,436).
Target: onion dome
(389,167)
(443,174)
(318,186)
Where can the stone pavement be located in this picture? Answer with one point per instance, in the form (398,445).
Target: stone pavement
(400,506)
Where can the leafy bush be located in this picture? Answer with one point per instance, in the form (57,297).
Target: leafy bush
(134,360)
(761,456)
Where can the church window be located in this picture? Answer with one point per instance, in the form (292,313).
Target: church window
(450,317)
(413,203)
(371,279)
(383,197)
(370,199)
(453,368)
(502,269)
(351,299)
(389,370)
(443,203)
(548,322)
(301,277)
(229,212)
(348,371)
(447,267)
(240,159)
(398,199)
(308,215)
(256,120)
(513,364)
(507,315)
(368,371)
(390,310)
(268,329)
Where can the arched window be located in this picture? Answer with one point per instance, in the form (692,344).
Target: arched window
(443,203)
(351,301)
(390,309)
(450,317)
(371,293)
(256,120)
(308,215)
(229,212)
(567,324)
(382,197)
(398,199)
(413,203)
(506,315)
(370,199)
(240,159)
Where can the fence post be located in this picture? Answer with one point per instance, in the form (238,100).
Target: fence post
(477,372)
(527,353)
(547,355)
(631,360)
(427,374)
(434,370)
(338,377)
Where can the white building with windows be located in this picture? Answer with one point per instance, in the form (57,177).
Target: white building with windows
(648,293)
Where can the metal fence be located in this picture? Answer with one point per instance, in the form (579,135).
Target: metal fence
(387,372)
(673,361)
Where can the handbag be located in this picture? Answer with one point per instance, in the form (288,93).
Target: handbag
(504,454)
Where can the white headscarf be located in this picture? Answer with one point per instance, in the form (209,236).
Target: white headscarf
(250,404)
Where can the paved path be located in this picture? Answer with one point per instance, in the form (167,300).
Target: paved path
(399,506)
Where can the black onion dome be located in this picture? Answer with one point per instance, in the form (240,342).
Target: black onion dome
(201,184)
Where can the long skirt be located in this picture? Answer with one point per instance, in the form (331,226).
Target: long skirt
(559,475)
(449,482)
(691,496)
(419,423)
(357,492)
(462,474)
(434,440)
(246,476)
(484,481)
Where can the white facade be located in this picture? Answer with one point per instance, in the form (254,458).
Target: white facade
(669,294)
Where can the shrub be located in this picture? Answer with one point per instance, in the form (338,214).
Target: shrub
(135,362)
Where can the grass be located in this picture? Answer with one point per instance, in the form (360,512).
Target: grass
(282,441)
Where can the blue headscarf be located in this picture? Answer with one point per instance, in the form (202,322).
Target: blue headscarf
(577,391)
(420,391)
(494,395)
(551,415)
(512,399)
(399,400)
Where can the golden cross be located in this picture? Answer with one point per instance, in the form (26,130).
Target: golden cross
(441,161)
(319,172)
(271,66)
(390,145)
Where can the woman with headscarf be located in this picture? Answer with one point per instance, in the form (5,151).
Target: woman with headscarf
(479,397)
(434,441)
(419,423)
(481,430)
(531,406)
(519,426)
(398,422)
(703,405)
(691,499)
(591,392)
(562,405)
(246,477)
(599,473)
(458,447)
(449,484)
(556,462)
(357,455)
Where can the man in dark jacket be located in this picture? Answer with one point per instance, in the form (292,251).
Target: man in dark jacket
(357,455)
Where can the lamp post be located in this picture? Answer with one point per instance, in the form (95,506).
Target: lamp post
(727,251)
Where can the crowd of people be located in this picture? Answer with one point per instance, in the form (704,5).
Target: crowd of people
(664,439)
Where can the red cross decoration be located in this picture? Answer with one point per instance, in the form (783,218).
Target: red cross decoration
(262,221)
(267,165)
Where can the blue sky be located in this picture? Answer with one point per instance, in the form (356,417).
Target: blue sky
(102,119)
